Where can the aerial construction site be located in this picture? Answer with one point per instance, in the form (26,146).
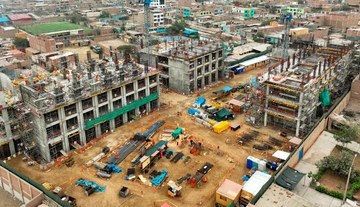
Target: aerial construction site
(172,116)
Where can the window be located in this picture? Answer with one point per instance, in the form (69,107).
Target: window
(220,53)
(102,98)
(199,61)
(70,110)
(87,103)
(153,90)
(116,92)
(103,110)
(142,94)
(206,68)
(207,58)
(213,56)
(130,98)
(223,198)
(88,116)
(51,117)
(117,104)
(72,123)
(199,71)
(129,87)
(141,83)
(220,63)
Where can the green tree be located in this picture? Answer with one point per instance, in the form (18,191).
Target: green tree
(176,27)
(21,42)
(76,18)
(105,14)
(259,37)
(266,22)
(347,134)
(339,165)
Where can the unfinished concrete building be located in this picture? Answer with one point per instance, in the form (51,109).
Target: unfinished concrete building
(298,91)
(188,66)
(15,126)
(70,107)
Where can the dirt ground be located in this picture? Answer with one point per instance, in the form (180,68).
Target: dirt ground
(81,51)
(114,43)
(221,150)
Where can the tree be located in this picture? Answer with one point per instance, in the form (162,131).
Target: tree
(105,14)
(76,18)
(339,165)
(347,134)
(266,22)
(21,42)
(259,37)
(176,27)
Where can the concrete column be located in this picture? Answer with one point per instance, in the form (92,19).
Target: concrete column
(96,114)
(63,127)
(123,101)
(81,123)
(111,109)
(147,91)
(266,105)
(299,115)
(12,147)
(136,96)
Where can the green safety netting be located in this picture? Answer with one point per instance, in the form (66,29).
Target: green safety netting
(325,97)
(120,111)
(231,204)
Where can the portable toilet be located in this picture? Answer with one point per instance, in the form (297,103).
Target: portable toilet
(249,163)
(262,165)
(256,162)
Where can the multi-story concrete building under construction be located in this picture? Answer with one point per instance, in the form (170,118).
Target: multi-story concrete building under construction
(298,93)
(188,66)
(67,108)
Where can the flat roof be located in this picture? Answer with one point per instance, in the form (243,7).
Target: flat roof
(256,182)
(229,189)
(276,196)
(254,60)
(17,17)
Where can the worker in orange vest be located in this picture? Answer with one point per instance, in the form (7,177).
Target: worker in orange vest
(117,155)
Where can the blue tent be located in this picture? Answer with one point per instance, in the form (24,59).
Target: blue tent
(200,101)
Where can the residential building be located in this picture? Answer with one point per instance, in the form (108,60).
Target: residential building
(339,20)
(353,34)
(43,44)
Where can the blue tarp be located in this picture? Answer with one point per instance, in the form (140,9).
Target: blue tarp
(193,111)
(253,82)
(97,187)
(227,89)
(200,101)
(159,179)
(113,168)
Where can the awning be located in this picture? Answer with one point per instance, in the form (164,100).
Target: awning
(281,155)
(289,178)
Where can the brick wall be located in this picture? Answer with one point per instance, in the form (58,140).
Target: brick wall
(8,33)
(42,43)
(267,30)
(17,187)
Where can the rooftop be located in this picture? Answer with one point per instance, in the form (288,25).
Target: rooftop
(276,196)
(229,189)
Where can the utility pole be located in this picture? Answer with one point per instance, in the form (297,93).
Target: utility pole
(348,179)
